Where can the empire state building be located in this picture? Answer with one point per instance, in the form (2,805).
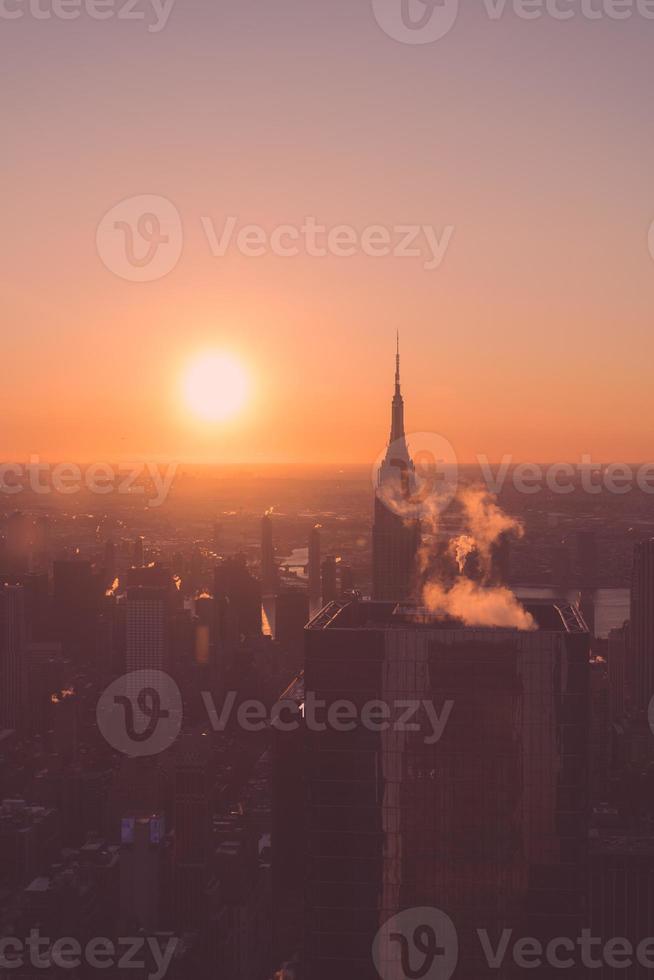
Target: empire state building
(396,532)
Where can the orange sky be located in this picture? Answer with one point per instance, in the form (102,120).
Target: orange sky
(532,139)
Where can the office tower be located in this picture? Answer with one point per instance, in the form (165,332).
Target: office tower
(109,562)
(314,564)
(143,855)
(138,786)
(600,729)
(587,571)
(38,606)
(329,587)
(347,578)
(642,623)
(192,820)
(560,566)
(289,859)
(269,572)
(203,607)
(43,675)
(234,583)
(12,654)
(395,537)
(586,604)
(618,656)
(179,565)
(500,573)
(77,594)
(139,551)
(291,616)
(196,569)
(19,535)
(147,628)
(621,893)
(41,544)
(482,818)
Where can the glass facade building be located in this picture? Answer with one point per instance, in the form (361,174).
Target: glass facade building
(461,784)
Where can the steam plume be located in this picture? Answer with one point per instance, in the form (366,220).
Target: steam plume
(457,576)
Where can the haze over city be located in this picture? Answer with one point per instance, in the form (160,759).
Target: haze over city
(326,490)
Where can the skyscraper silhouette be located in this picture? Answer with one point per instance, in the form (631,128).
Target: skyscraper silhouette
(395,533)
(642,623)
(268,565)
(483,821)
(313,569)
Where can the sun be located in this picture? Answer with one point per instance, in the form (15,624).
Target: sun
(215,386)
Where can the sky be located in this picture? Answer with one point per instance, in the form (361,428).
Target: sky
(524,146)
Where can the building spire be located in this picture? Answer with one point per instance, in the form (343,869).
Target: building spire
(397,416)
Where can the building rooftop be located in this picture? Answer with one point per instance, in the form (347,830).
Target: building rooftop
(550,615)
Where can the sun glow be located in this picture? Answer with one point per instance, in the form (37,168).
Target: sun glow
(215,386)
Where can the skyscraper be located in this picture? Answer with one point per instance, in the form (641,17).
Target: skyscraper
(395,536)
(192,817)
(268,566)
(12,653)
(483,820)
(329,587)
(148,622)
(143,854)
(314,565)
(642,624)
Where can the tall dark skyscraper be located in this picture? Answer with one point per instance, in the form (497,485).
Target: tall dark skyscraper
(329,587)
(483,820)
(12,653)
(268,566)
(314,565)
(395,536)
(642,623)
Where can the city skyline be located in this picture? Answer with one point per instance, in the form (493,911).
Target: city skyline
(327,490)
